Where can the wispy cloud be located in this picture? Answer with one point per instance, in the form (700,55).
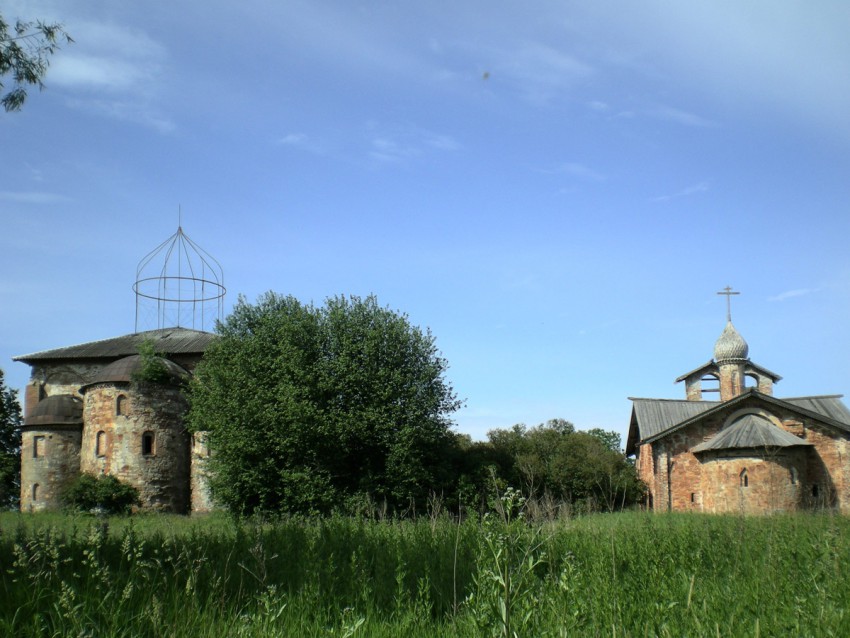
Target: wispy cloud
(581,171)
(114,71)
(390,150)
(679,116)
(442,142)
(538,71)
(109,57)
(702,187)
(789,294)
(397,143)
(303,142)
(32,197)
(575,169)
(128,111)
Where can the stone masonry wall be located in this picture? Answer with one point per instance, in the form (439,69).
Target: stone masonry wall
(161,476)
(44,477)
(49,379)
(199,486)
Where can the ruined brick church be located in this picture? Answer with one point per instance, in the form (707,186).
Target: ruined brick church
(87,411)
(749,452)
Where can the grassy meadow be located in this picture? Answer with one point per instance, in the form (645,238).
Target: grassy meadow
(628,574)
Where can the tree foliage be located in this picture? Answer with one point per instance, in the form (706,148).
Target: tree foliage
(104,493)
(10,446)
(309,408)
(25,51)
(584,468)
(152,368)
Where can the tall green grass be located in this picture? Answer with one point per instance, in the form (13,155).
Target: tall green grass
(630,574)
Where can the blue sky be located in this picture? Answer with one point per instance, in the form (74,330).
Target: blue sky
(556,189)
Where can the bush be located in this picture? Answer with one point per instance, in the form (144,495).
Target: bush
(153,368)
(102,493)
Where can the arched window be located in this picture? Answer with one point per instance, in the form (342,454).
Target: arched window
(148,444)
(35,492)
(744,478)
(37,446)
(122,405)
(100,444)
(793,476)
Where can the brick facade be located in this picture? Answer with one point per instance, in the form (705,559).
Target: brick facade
(801,464)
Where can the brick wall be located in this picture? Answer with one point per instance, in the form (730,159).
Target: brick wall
(711,481)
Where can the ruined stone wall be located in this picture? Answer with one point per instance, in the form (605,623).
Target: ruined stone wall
(160,472)
(199,478)
(50,379)
(48,467)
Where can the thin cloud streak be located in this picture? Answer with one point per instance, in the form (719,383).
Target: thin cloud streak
(790,294)
(32,197)
(679,116)
(702,187)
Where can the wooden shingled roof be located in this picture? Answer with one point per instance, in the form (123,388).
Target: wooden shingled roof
(169,341)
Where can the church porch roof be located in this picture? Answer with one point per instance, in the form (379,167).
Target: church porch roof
(751,431)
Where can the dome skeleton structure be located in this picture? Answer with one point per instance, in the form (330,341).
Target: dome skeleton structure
(181,283)
(95,408)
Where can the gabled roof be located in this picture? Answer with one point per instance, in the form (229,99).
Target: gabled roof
(764,371)
(166,340)
(655,416)
(653,419)
(704,368)
(711,367)
(748,432)
(830,406)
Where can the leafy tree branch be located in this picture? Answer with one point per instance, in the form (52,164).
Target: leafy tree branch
(25,51)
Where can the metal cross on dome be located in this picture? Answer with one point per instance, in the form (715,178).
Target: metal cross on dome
(728,292)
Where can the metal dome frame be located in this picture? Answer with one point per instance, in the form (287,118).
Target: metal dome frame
(188,275)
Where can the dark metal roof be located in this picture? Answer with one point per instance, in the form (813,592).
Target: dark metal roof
(748,432)
(167,341)
(124,370)
(60,409)
(655,418)
(830,406)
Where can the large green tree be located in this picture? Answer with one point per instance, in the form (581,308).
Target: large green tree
(25,51)
(10,446)
(311,408)
(582,468)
